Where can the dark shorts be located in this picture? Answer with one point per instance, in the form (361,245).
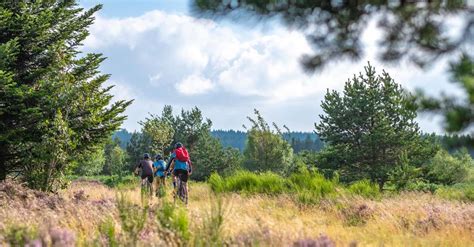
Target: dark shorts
(150,178)
(182,174)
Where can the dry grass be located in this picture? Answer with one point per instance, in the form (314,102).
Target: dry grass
(412,219)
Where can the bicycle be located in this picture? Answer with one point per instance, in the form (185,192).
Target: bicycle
(181,190)
(160,188)
(146,187)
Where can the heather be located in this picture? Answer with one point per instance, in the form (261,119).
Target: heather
(90,213)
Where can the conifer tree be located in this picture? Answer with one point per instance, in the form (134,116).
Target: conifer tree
(53,104)
(369,126)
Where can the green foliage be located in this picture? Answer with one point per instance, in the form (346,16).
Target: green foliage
(138,145)
(191,129)
(55,108)
(160,131)
(115,159)
(422,186)
(404,173)
(46,171)
(311,186)
(20,235)
(408,30)
(107,229)
(364,188)
(458,114)
(91,163)
(460,192)
(174,219)
(209,156)
(308,187)
(449,169)
(266,150)
(368,127)
(189,126)
(217,183)
(132,217)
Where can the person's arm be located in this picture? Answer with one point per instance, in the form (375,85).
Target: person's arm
(169,164)
(190,170)
(137,167)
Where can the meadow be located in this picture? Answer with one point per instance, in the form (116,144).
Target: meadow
(240,210)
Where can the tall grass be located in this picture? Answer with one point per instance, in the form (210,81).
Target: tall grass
(175,219)
(364,188)
(306,186)
(460,192)
(210,233)
(132,217)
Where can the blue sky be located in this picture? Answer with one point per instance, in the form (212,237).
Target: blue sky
(159,54)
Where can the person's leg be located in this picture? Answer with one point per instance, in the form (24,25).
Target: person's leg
(184,180)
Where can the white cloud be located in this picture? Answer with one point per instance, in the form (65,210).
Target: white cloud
(160,57)
(194,84)
(155,79)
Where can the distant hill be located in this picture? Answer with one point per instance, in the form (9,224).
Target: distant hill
(298,140)
(124,136)
(236,139)
(302,140)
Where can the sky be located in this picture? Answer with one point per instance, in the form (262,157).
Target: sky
(159,54)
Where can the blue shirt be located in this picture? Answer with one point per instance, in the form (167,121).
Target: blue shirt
(179,165)
(160,165)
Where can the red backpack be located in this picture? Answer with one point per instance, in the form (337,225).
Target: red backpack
(182,154)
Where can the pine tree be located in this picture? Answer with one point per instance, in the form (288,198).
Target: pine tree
(369,126)
(266,150)
(53,102)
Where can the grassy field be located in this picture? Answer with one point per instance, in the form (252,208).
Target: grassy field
(90,213)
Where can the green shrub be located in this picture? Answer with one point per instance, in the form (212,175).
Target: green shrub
(217,183)
(311,186)
(422,186)
(243,181)
(364,188)
(174,219)
(20,235)
(308,187)
(449,169)
(461,192)
(107,229)
(271,183)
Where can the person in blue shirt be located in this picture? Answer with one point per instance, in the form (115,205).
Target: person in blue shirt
(159,167)
(180,169)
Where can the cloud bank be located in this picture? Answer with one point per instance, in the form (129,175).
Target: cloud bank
(160,58)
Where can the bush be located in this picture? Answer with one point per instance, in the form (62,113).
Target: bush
(423,186)
(249,182)
(107,229)
(308,186)
(217,183)
(174,219)
(449,169)
(364,188)
(461,192)
(20,235)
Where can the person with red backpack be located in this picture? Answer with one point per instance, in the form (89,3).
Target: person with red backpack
(182,164)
